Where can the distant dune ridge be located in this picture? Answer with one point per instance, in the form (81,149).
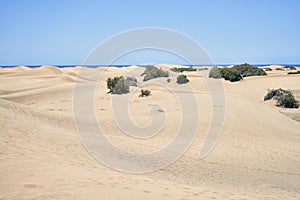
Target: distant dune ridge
(41,155)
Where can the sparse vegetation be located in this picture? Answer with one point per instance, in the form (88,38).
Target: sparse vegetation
(117,85)
(236,73)
(231,74)
(267,69)
(290,67)
(182,69)
(249,70)
(202,69)
(182,79)
(215,73)
(145,93)
(297,72)
(131,81)
(284,98)
(279,69)
(152,72)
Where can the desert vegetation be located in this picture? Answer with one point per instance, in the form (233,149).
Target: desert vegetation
(152,72)
(231,74)
(182,79)
(236,73)
(182,69)
(145,93)
(118,85)
(297,72)
(284,98)
(131,80)
(215,73)
(202,69)
(290,67)
(267,69)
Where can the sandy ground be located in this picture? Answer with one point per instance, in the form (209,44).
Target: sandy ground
(42,157)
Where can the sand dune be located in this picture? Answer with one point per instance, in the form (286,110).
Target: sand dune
(256,157)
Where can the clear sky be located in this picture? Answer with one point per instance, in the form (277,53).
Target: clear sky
(38,32)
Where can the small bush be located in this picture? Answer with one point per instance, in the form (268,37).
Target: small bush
(267,69)
(278,69)
(117,85)
(297,72)
(284,98)
(202,69)
(111,83)
(181,79)
(215,73)
(290,67)
(145,93)
(275,93)
(122,87)
(168,80)
(182,69)
(231,75)
(152,72)
(131,81)
(287,101)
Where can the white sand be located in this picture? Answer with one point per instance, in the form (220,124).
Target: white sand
(41,156)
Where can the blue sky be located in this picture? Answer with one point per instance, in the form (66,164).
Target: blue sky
(63,32)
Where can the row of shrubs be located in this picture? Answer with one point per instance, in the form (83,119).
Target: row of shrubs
(236,73)
(284,98)
(290,67)
(182,69)
(120,85)
(297,72)
(188,69)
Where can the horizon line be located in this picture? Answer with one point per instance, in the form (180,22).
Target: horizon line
(94,65)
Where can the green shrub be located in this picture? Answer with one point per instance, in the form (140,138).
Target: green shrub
(131,81)
(236,73)
(168,80)
(111,83)
(278,69)
(275,93)
(182,69)
(202,69)
(152,72)
(248,70)
(297,72)
(121,87)
(231,75)
(145,93)
(267,69)
(284,98)
(287,101)
(215,73)
(117,85)
(290,67)
(181,79)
